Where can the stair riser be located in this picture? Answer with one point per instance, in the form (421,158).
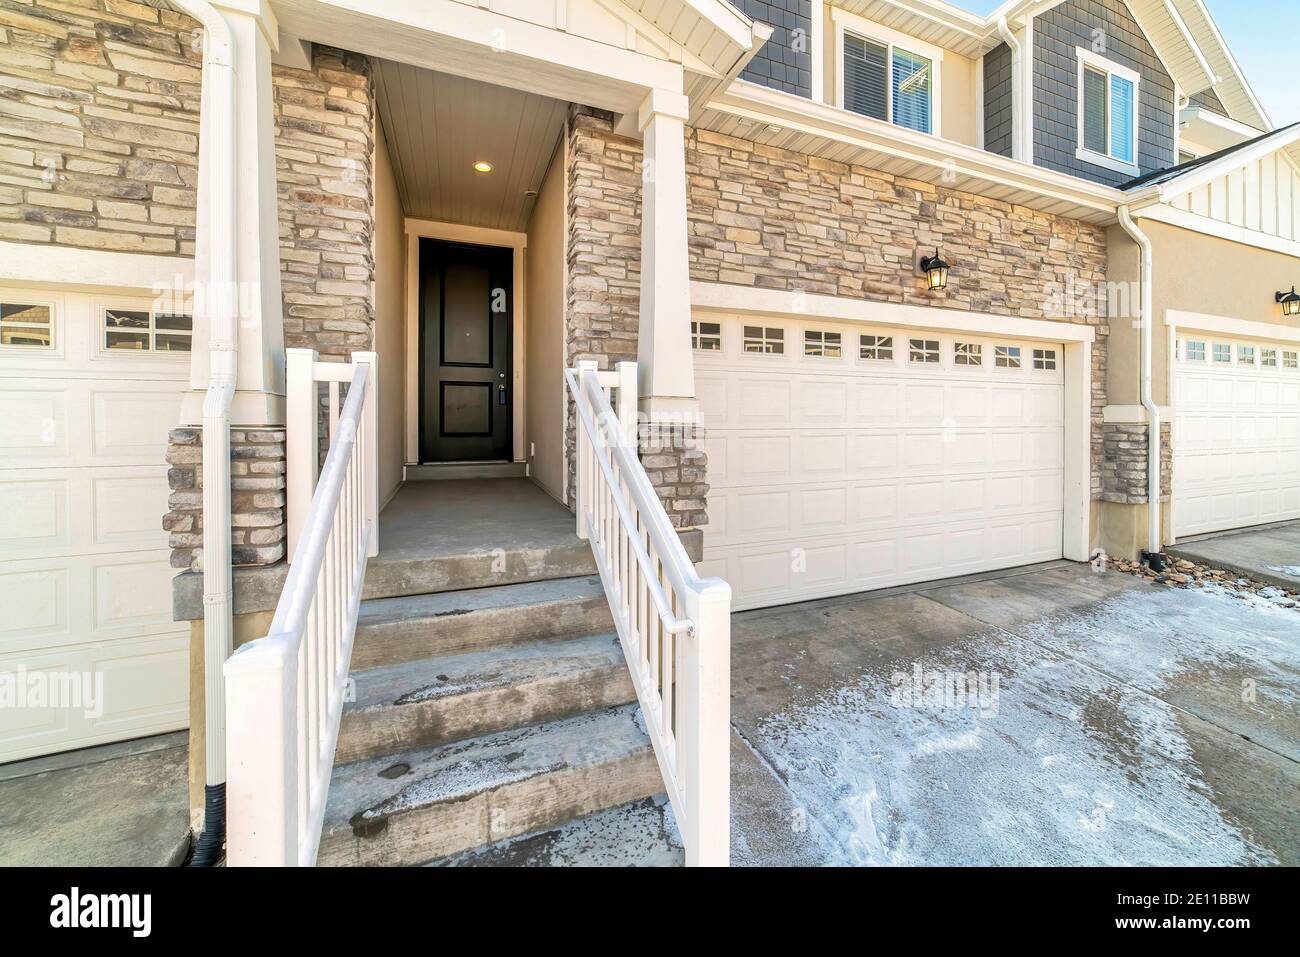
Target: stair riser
(448,827)
(396,577)
(396,642)
(394,728)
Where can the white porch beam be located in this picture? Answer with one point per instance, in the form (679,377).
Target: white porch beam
(479,44)
(259,399)
(666,386)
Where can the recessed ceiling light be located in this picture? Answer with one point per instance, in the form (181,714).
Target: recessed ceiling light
(482,166)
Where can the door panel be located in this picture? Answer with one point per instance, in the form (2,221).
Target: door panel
(465,321)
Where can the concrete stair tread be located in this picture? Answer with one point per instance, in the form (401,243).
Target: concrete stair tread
(413,806)
(455,675)
(397,574)
(393,630)
(453,697)
(638,834)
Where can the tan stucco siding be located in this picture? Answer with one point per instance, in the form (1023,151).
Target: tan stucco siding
(544,335)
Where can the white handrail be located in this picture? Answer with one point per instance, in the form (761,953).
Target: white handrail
(285,692)
(674,627)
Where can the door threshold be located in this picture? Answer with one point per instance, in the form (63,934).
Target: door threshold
(442,471)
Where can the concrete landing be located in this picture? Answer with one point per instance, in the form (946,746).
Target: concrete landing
(119,805)
(1270,555)
(439,536)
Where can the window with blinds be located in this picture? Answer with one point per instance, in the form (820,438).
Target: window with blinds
(1107,112)
(886,82)
(865,66)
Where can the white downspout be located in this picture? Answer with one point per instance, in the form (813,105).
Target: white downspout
(220,304)
(1017,124)
(1154,542)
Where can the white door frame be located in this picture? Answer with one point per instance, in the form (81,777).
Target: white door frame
(417,229)
(1077,339)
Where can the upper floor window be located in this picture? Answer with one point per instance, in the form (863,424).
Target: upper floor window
(888,81)
(1108,113)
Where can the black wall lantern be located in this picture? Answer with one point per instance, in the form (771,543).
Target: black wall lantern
(1290,302)
(936,271)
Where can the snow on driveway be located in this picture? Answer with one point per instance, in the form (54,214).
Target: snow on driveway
(1082,740)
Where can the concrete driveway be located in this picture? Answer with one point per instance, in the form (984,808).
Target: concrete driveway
(1054,715)
(1270,554)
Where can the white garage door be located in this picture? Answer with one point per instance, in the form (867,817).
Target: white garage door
(844,458)
(1236,434)
(88,652)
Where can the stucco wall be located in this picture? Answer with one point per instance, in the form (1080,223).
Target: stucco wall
(544,401)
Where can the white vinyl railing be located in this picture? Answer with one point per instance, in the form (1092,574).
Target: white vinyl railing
(285,692)
(674,627)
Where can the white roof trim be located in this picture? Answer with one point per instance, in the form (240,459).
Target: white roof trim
(1194,178)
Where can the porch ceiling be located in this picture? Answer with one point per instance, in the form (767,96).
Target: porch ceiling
(438,126)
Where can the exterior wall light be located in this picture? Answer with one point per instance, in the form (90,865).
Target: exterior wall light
(482,166)
(936,271)
(1290,302)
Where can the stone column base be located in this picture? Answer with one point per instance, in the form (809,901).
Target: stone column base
(257,505)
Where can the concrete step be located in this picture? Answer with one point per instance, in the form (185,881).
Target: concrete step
(397,574)
(449,471)
(433,701)
(640,834)
(395,630)
(419,805)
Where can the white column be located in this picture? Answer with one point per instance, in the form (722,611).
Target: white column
(666,381)
(260,396)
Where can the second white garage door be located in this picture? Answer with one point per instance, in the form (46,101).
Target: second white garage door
(844,458)
(1236,434)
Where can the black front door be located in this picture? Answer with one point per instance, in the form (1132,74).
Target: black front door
(465,352)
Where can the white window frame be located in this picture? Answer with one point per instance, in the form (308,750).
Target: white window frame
(922,347)
(1215,353)
(1267,353)
(99,317)
(698,335)
(1290,359)
(1187,351)
(16,297)
(1008,356)
(1242,350)
(1086,59)
(820,344)
(865,29)
(764,338)
(1041,356)
(877,346)
(968,350)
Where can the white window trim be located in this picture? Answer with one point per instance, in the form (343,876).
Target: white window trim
(17,296)
(100,308)
(1089,59)
(846,22)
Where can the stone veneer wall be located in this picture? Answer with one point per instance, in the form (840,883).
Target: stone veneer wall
(99,124)
(1124,471)
(257,497)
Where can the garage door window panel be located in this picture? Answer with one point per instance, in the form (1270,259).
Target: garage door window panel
(876,348)
(765,340)
(924,351)
(822,345)
(26,325)
(142,331)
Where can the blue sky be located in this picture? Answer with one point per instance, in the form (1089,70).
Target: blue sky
(1260,33)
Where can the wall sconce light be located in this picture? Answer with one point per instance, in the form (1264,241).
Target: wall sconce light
(1290,302)
(936,271)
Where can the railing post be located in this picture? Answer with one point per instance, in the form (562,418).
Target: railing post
(582,494)
(301,441)
(262,767)
(706,703)
(370,454)
(627,402)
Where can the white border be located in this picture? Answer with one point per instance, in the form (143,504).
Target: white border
(19,295)
(1087,58)
(417,229)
